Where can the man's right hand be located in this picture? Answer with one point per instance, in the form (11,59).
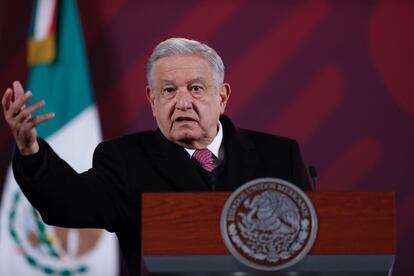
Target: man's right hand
(20,120)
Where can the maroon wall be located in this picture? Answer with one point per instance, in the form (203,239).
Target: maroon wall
(336,75)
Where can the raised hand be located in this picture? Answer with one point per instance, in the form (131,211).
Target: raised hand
(20,120)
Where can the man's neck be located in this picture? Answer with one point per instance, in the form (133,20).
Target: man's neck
(213,146)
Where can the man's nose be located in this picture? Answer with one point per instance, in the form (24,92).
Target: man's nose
(183,99)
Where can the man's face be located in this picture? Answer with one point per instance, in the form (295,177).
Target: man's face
(186,100)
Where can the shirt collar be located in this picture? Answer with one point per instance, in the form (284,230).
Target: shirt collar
(214,147)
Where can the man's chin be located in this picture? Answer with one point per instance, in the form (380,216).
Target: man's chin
(185,139)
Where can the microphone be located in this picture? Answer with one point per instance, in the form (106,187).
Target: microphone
(313,174)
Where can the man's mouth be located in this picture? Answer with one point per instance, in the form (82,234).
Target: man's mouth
(184,119)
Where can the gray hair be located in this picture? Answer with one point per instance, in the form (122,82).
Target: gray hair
(183,46)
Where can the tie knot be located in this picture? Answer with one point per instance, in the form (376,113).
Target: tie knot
(205,158)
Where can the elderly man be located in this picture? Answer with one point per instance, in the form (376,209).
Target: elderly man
(195,148)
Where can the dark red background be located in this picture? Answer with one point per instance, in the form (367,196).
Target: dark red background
(336,75)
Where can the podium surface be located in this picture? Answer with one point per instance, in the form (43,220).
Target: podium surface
(181,235)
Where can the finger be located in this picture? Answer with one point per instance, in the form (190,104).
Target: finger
(18,104)
(30,124)
(18,89)
(27,112)
(27,93)
(6,99)
(34,121)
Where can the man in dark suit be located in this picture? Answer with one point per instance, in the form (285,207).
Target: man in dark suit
(195,148)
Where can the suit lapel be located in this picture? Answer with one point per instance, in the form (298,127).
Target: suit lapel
(174,163)
(241,155)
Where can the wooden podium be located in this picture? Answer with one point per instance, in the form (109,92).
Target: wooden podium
(181,235)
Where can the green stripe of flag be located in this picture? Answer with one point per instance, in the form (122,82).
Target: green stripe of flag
(65,83)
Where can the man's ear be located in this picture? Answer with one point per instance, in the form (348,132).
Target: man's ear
(151,98)
(225,92)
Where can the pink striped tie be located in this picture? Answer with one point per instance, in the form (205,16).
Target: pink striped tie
(205,158)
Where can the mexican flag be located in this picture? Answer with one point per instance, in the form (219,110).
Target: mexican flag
(59,74)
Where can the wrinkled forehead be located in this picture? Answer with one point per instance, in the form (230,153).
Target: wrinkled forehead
(194,65)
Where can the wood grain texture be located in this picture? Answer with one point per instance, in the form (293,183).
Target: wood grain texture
(188,224)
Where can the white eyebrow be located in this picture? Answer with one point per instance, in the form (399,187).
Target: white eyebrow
(167,82)
(196,80)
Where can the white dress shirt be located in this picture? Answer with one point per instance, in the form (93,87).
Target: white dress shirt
(215,146)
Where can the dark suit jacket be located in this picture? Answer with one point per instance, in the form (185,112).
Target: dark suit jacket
(108,195)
